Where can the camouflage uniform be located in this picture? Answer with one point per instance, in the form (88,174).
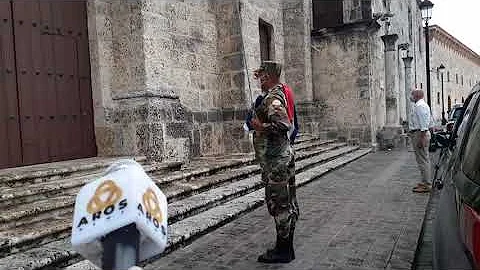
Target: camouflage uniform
(277,160)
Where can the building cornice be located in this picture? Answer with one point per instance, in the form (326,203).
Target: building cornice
(361,25)
(442,36)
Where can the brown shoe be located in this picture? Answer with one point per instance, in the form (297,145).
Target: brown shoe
(425,184)
(421,189)
(422,184)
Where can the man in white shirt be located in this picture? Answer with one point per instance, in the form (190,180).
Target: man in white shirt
(420,136)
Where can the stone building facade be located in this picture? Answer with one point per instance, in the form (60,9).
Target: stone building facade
(461,73)
(190,87)
(364,65)
(172,79)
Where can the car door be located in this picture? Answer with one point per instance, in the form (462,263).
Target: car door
(466,177)
(448,240)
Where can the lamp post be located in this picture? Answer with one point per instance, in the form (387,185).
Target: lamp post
(426,7)
(441,68)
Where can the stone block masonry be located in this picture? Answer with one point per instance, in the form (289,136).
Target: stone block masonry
(192,62)
(341,85)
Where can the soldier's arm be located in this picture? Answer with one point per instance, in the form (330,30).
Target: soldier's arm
(277,116)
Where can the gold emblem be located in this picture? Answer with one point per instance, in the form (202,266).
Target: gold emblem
(152,205)
(105,195)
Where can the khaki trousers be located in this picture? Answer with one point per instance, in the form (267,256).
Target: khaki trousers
(422,155)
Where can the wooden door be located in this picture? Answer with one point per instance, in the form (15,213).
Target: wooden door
(52,81)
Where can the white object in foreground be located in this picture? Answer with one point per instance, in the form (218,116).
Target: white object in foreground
(124,195)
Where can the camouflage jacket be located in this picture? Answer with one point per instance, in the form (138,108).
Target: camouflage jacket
(272,113)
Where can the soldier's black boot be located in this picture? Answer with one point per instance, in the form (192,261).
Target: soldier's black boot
(270,251)
(282,253)
(290,243)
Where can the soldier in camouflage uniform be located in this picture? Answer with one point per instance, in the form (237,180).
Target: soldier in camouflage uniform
(275,155)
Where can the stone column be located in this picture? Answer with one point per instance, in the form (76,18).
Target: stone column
(389,136)
(297,32)
(407,61)
(391,93)
(143,115)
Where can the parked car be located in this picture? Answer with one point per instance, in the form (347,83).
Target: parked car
(456,228)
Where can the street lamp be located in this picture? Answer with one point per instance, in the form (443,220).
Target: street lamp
(441,68)
(426,7)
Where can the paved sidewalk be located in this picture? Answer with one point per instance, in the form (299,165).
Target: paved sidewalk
(424,256)
(362,216)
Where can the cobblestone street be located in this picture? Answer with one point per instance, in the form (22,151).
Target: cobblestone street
(362,216)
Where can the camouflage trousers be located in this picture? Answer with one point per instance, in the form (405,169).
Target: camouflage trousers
(278,175)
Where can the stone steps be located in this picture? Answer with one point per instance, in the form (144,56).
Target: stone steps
(182,212)
(19,176)
(12,237)
(22,214)
(44,189)
(43,197)
(187,230)
(197,203)
(180,189)
(47,188)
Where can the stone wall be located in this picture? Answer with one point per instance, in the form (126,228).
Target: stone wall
(459,61)
(270,12)
(117,64)
(239,89)
(341,72)
(232,78)
(355,53)
(404,21)
(407,24)
(154,66)
(297,37)
(169,77)
(173,79)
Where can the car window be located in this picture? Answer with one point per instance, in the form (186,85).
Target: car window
(456,113)
(466,116)
(471,158)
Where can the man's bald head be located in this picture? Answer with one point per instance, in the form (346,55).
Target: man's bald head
(417,94)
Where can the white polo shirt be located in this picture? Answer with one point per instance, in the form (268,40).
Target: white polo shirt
(420,117)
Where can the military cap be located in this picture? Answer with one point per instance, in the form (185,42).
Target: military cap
(270,67)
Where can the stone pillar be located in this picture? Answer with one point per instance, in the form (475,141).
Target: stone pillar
(142,112)
(390,135)
(391,93)
(407,61)
(297,46)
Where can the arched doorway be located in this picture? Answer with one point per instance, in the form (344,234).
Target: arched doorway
(46,107)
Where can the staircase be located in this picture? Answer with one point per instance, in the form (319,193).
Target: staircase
(36,202)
